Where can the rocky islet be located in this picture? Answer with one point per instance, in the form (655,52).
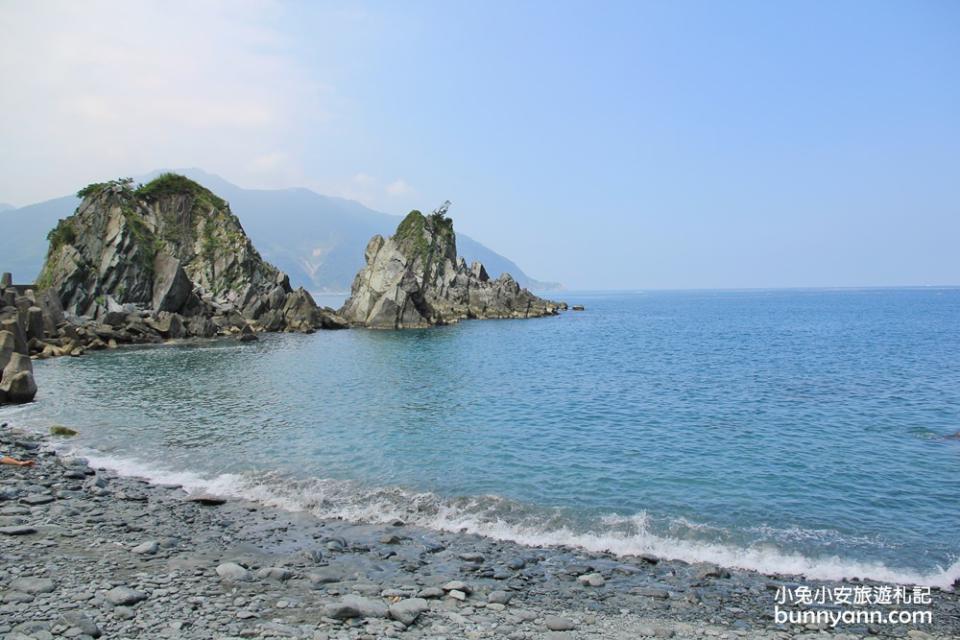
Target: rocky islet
(143,264)
(415,279)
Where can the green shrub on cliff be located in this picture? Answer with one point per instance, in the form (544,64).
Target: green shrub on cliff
(416,231)
(61,234)
(125,186)
(173,184)
(92,189)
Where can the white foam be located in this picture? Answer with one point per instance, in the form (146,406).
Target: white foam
(622,535)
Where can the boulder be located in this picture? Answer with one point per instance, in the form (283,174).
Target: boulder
(201,327)
(169,325)
(276,297)
(35,326)
(232,572)
(247,334)
(17,384)
(18,388)
(367,607)
(124,596)
(407,611)
(7,348)
(12,325)
(171,285)
(478,271)
(53,315)
(272,320)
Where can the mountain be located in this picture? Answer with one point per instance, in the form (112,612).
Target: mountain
(318,240)
(6,206)
(23,235)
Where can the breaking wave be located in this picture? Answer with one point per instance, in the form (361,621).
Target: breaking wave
(503,519)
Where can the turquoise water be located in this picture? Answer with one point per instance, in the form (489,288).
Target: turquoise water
(796,431)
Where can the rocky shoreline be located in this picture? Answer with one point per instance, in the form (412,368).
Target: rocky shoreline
(85,554)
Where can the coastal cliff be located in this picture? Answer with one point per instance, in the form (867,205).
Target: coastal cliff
(415,279)
(172,256)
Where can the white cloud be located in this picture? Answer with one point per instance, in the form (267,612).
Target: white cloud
(96,89)
(395,196)
(268,162)
(399,187)
(364,180)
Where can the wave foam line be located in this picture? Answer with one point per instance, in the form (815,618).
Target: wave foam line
(329,498)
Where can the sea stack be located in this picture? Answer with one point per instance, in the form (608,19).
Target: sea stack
(172,256)
(415,279)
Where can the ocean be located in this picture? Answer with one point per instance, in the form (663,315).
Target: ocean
(791,431)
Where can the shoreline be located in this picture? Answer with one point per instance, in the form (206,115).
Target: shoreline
(239,568)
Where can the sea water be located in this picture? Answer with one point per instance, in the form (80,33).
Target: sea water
(781,431)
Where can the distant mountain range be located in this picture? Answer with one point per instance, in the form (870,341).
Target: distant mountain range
(318,240)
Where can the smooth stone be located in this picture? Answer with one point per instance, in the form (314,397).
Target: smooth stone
(340,611)
(323,576)
(146,548)
(407,611)
(33,585)
(17,597)
(232,572)
(456,594)
(556,623)
(87,626)
(499,597)
(592,580)
(368,607)
(279,574)
(708,570)
(431,592)
(35,501)
(17,530)
(457,585)
(125,596)
(472,557)
(124,613)
(206,499)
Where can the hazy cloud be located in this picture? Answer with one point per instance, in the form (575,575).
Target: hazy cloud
(399,187)
(96,89)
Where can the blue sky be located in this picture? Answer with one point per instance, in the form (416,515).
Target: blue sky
(606,145)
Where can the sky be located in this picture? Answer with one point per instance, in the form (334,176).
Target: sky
(615,145)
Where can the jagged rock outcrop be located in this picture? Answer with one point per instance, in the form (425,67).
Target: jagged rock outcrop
(165,260)
(415,279)
(16,370)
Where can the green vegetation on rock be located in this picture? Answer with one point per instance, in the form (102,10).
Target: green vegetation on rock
(62,431)
(415,234)
(123,185)
(172,184)
(147,243)
(62,234)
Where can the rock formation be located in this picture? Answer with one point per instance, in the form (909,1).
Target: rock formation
(169,258)
(20,320)
(415,279)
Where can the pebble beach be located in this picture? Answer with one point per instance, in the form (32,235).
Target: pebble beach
(85,553)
